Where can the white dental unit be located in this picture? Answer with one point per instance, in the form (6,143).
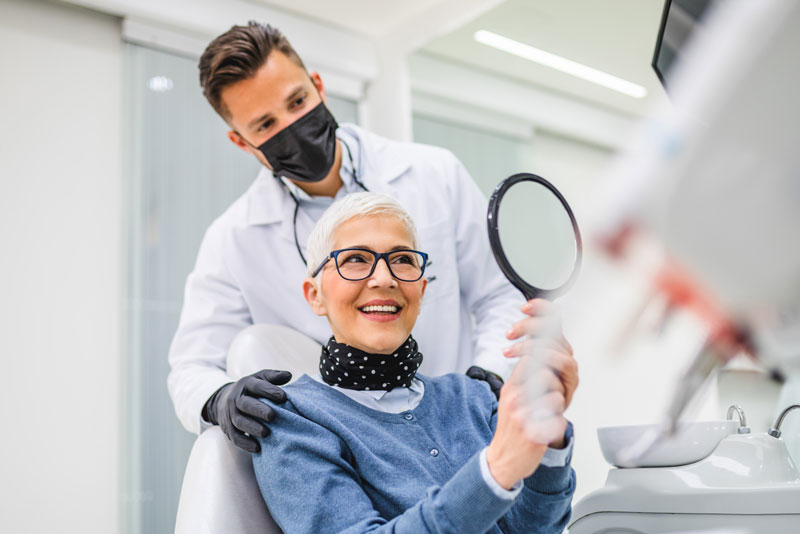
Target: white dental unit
(747,483)
(715,182)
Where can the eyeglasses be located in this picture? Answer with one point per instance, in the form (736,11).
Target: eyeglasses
(356,264)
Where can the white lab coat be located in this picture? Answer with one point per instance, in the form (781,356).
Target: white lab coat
(248,271)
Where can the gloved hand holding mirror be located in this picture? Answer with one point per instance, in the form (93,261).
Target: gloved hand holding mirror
(535,239)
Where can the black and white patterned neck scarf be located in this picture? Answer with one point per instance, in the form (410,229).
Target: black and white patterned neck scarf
(350,368)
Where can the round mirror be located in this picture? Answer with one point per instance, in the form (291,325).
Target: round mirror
(534,236)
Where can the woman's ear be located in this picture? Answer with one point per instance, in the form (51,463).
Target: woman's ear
(313,296)
(423,284)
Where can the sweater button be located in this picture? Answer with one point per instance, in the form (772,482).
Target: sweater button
(434,452)
(409,416)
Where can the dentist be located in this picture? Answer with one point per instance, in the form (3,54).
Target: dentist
(251,262)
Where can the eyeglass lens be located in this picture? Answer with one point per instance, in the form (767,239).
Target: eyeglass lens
(405,265)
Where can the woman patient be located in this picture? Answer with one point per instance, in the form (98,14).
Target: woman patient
(369,444)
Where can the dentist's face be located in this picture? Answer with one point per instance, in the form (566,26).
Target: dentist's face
(346,303)
(279,93)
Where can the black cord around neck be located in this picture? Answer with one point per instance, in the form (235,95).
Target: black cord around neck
(294,219)
(353,166)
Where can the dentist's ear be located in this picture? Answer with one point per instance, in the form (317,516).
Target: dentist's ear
(313,296)
(317,81)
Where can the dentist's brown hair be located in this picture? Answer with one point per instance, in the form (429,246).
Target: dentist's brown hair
(237,55)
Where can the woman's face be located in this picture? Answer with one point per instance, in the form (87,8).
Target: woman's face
(347,304)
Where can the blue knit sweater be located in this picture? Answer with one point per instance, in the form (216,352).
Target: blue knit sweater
(333,465)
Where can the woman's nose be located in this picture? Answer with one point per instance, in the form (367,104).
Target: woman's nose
(382,276)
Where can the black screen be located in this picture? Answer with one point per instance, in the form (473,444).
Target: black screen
(679,22)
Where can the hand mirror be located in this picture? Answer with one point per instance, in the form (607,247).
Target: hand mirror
(534,236)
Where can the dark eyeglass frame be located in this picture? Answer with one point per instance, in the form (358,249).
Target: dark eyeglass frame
(377,256)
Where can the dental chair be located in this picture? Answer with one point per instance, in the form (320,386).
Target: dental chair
(219,494)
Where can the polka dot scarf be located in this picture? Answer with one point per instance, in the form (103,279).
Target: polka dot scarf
(350,368)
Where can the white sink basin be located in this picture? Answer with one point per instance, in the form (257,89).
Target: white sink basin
(691,443)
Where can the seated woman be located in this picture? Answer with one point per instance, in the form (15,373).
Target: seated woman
(369,444)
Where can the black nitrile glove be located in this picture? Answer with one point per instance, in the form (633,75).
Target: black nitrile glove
(236,409)
(494,381)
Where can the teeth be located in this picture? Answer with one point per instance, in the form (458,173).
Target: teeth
(385,309)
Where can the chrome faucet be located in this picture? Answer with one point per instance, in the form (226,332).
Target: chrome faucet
(743,428)
(775,431)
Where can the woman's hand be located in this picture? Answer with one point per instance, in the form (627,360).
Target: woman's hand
(541,336)
(532,402)
(524,428)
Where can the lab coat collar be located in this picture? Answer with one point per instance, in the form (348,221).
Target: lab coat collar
(266,199)
(381,161)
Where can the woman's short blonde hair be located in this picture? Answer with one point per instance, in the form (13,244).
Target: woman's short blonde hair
(320,242)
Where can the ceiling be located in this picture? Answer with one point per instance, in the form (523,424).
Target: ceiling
(370,18)
(614,36)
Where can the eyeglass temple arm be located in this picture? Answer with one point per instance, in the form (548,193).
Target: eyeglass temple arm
(321,265)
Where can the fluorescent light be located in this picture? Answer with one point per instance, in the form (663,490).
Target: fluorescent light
(559,63)
(159,84)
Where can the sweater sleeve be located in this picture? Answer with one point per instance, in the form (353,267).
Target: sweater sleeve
(302,458)
(545,504)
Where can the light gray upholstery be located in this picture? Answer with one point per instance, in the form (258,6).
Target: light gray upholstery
(266,346)
(219,493)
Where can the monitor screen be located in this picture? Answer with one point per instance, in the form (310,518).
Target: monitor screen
(679,21)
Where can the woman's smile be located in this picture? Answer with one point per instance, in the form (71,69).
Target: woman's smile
(381,310)
(375,314)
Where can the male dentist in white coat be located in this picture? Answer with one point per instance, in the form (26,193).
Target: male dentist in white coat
(250,265)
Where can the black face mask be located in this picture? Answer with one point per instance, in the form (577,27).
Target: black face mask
(305,150)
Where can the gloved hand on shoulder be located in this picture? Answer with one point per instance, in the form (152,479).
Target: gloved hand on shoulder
(241,416)
(494,381)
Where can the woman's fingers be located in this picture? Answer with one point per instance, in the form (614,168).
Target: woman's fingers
(545,431)
(530,346)
(562,363)
(542,420)
(538,307)
(545,327)
(523,405)
(539,325)
(563,366)
(546,406)
(542,381)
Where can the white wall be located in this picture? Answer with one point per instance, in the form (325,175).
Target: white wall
(60,274)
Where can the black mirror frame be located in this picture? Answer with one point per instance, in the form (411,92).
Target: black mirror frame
(528,290)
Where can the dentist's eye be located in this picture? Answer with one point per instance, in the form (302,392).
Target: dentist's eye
(266,125)
(298,102)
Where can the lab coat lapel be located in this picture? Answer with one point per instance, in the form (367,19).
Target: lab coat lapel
(266,200)
(269,203)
